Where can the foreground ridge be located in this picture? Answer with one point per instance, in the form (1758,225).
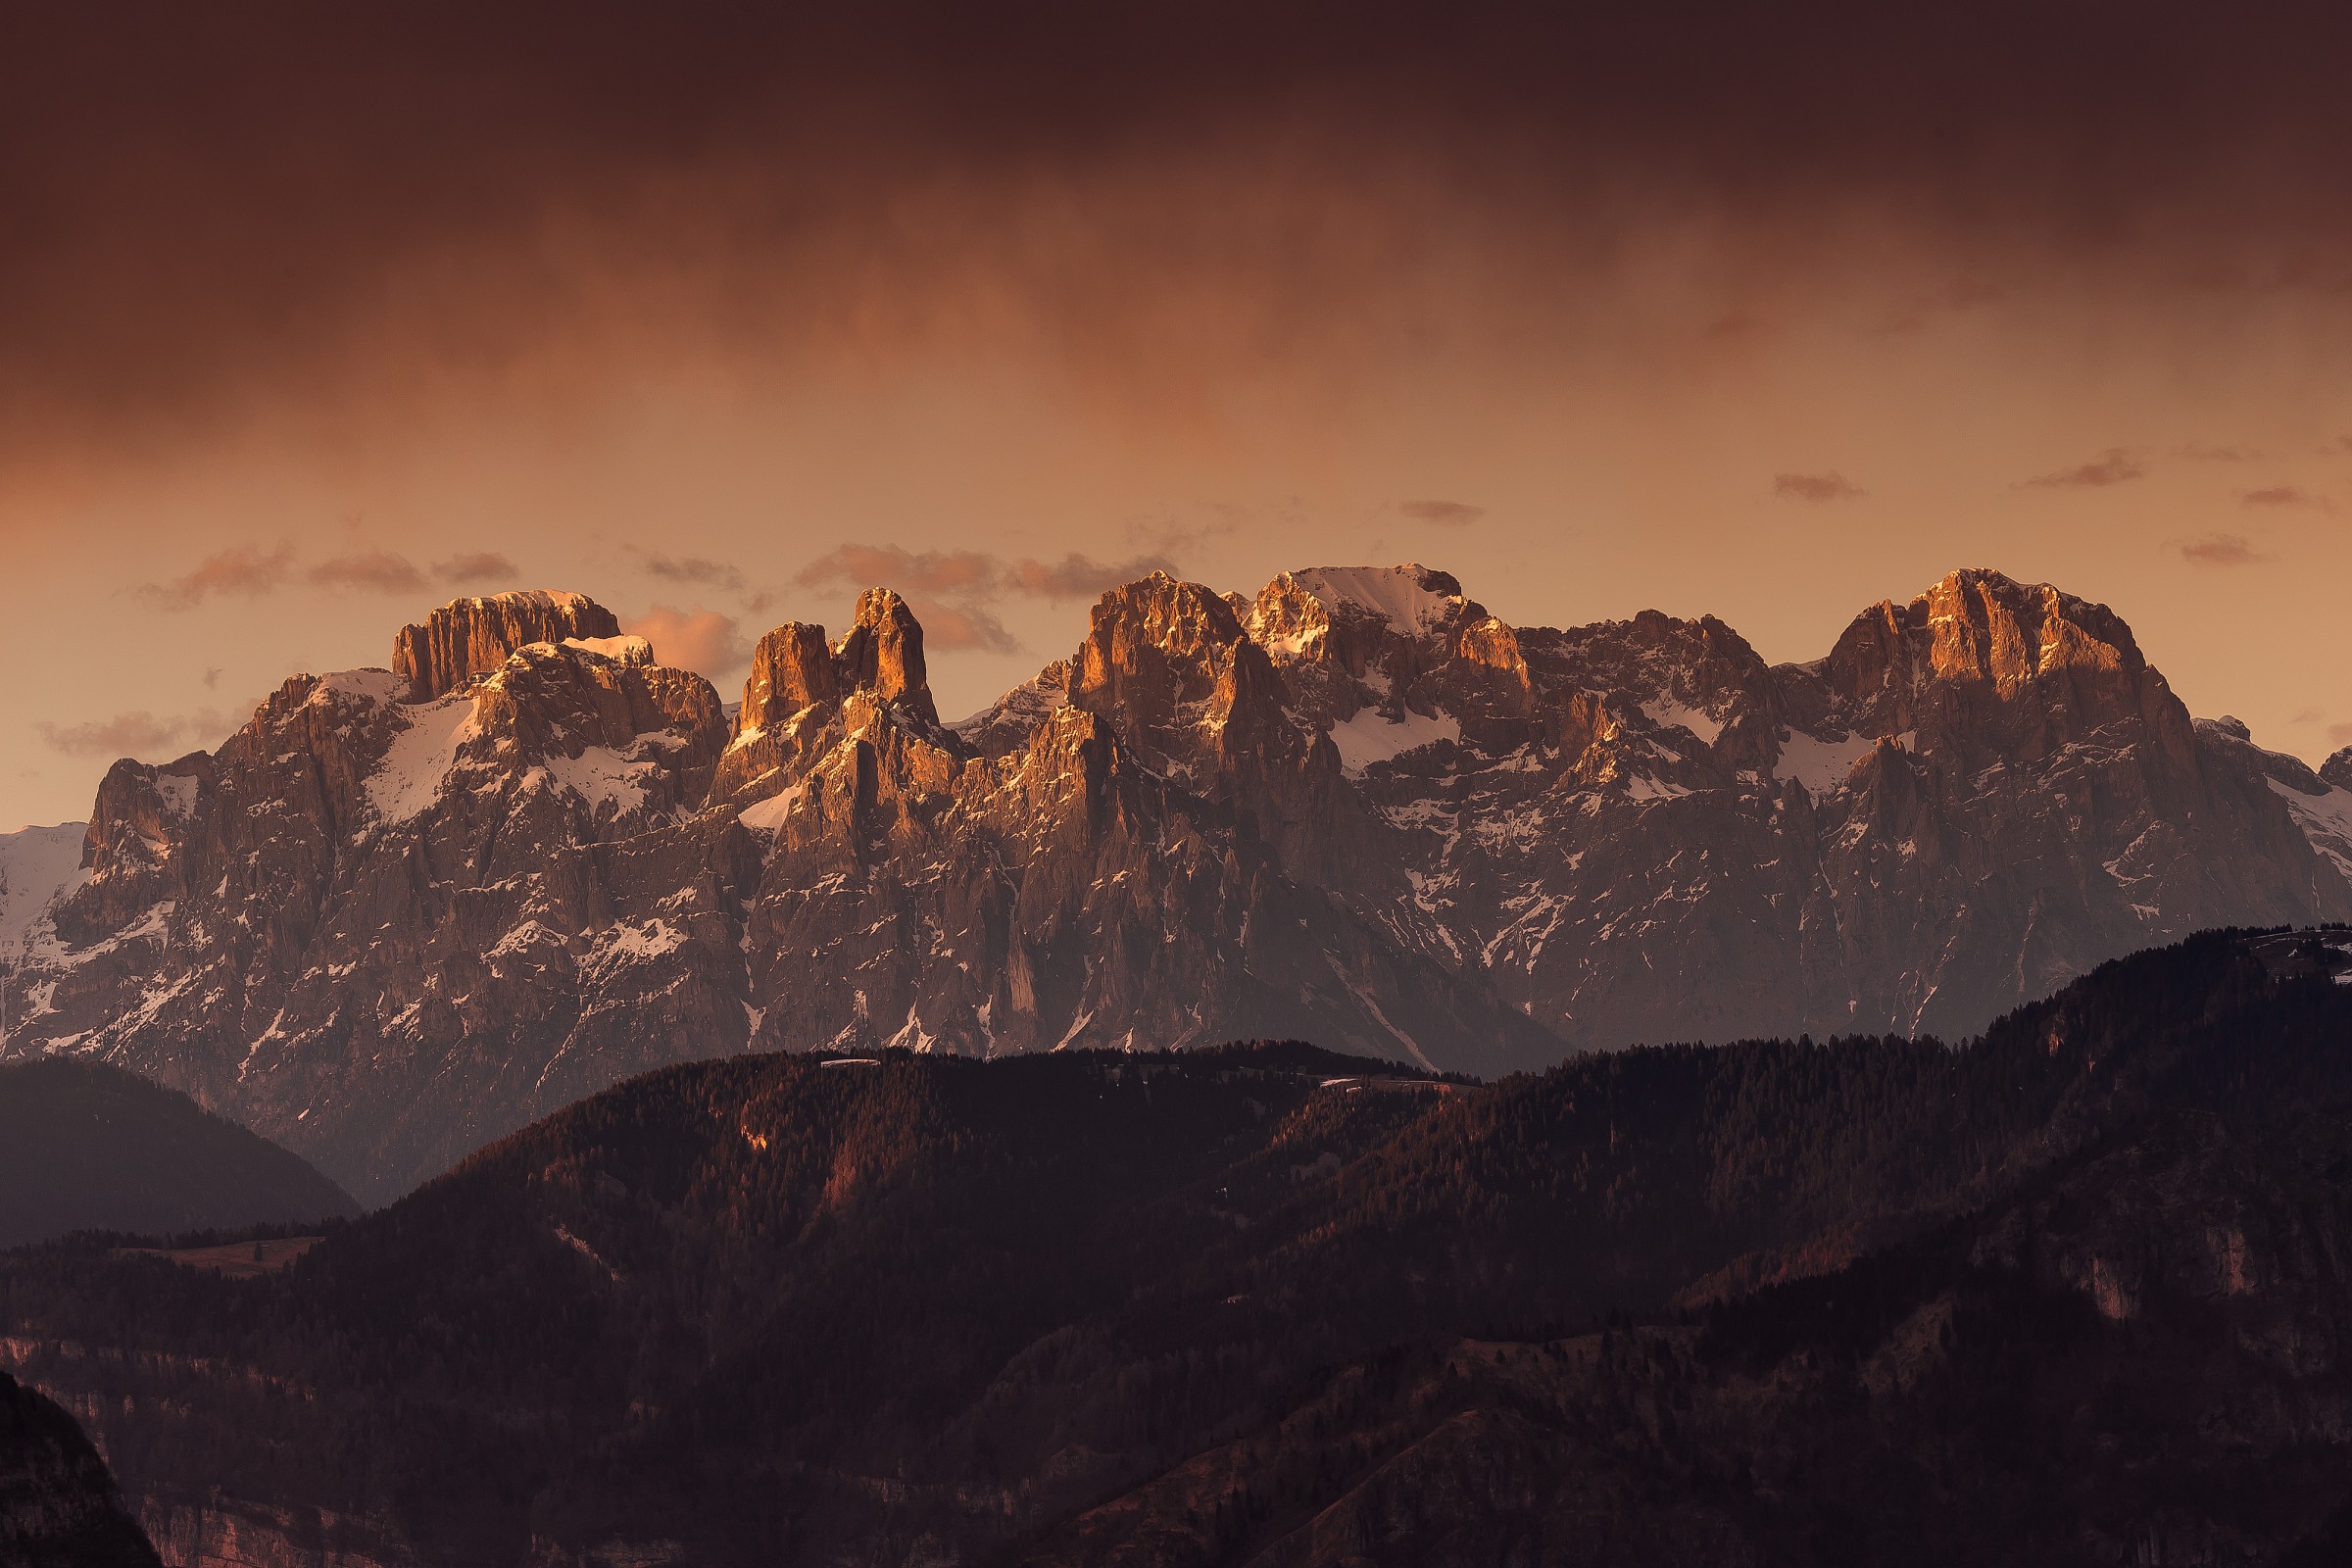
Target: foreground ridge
(2072,1291)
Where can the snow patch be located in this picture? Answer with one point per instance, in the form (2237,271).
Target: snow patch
(1370,737)
(1821,766)
(2326,820)
(179,794)
(38,865)
(766,816)
(601,776)
(415,771)
(1398,595)
(623,649)
(1667,713)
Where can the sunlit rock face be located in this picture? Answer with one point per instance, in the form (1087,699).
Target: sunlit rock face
(470,637)
(405,911)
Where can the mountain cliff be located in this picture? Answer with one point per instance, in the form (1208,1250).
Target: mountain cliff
(404,911)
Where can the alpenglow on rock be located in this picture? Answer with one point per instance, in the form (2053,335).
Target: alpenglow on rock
(402,912)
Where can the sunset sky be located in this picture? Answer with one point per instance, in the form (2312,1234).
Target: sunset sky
(312,318)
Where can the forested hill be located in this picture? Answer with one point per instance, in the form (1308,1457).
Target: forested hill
(57,1506)
(88,1147)
(1212,1307)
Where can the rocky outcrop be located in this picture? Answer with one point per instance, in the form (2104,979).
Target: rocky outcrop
(2337,771)
(59,1508)
(222,1533)
(384,927)
(474,636)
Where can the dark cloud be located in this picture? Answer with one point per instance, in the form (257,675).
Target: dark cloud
(369,571)
(253,201)
(2114,466)
(1446,514)
(475,568)
(2339,734)
(212,679)
(1077,577)
(2221,550)
(2281,494)
(1827,486)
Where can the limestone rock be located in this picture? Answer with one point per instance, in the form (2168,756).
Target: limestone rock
(404,913)
(474,636)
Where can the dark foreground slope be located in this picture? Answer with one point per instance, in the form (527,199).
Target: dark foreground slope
(88,1147)
(57,1506)
(2055,1297)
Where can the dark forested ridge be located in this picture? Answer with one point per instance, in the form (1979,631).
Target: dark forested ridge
(2068,1294)
(57,1506)
(88,1147)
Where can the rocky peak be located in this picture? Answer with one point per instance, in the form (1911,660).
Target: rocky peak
(791,668)
(1164,661)
(2337,769)
(1348,615)
(475,635)
(882,651)
(2012,665)
(805,697)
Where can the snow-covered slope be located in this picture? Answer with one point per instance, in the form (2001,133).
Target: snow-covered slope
(37,865)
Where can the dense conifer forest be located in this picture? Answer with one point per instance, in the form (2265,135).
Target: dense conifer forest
(2067,1293)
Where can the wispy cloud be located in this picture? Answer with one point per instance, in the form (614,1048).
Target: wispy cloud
(962,626)
(1077,577)
(1828,485)
(928,571)
(2214,452)
(2114,466)
(2221,550)
(244,570)
(696,570)
(370,572)
(954,593)
(2282,495)
(475,568)
(143,734)
(1444,514)
(251,571)
(707,642)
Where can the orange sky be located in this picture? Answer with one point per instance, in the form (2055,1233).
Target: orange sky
(307,331)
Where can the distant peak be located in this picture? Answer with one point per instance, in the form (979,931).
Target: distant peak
(474,635)
(1411,598)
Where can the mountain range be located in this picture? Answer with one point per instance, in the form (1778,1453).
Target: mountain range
(2074,1292)
(404,911)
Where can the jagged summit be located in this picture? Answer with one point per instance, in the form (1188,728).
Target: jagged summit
(401,913)
(472,636)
